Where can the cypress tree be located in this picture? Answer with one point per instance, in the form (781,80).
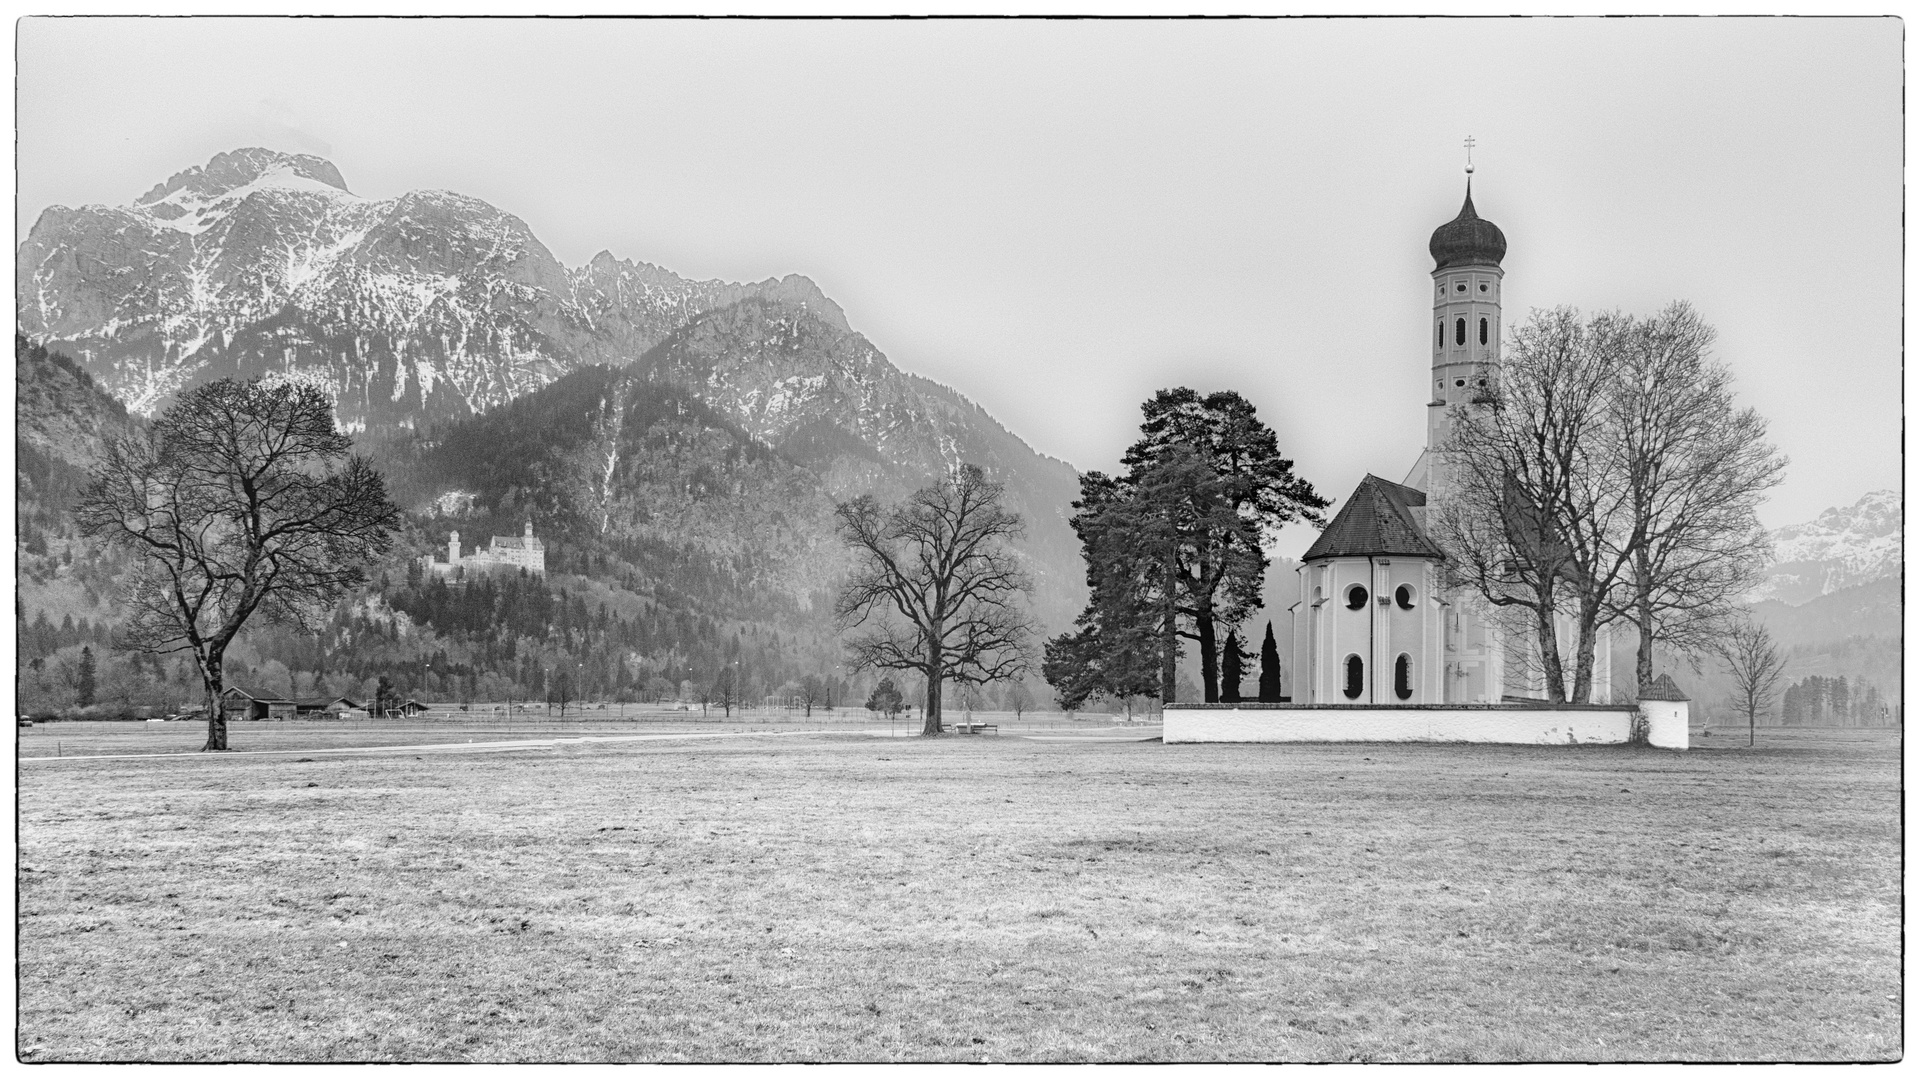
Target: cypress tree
(84,682)
(1230,668)
(1269,668)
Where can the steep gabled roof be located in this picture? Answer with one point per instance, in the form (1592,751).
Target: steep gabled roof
(1377,520)
(325,702)
(258,694)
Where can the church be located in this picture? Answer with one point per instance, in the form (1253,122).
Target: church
(1375,623)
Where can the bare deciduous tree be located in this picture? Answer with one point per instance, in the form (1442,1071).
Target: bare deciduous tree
(1757,666)
(726,689)
(813,690)
(1693,468)
(1609,477)
(240,499)
(937,588)
(1522,497)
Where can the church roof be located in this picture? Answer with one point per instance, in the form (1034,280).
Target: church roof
(1377,520)
(1468,239)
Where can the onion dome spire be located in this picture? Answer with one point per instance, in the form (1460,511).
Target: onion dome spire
(1468,239)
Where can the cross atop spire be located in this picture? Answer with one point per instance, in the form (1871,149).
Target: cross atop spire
(1469,155)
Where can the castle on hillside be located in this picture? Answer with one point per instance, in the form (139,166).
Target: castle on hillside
(1375,623)
(523,552)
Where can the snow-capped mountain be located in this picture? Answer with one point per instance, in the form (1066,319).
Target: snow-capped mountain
(1845,546)
(429,305)
(426,310)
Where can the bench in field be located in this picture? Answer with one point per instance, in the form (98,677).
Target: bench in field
(963,727)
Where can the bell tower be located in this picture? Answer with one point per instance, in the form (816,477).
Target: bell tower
(1465,334)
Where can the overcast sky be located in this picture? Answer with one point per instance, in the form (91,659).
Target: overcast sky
(1059,218)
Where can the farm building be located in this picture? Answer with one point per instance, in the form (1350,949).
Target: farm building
(251,703)
(322,707)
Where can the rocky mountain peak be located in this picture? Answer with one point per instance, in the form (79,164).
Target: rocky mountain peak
(198,198)
(801,292)
(1843,547)
(239,168)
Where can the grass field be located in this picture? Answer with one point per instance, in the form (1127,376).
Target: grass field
(117,737)
(839,897)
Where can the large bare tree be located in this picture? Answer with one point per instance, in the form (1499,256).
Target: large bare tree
(1693,467)
(241,499)
(937,589)
(1757,667)
(1523,496)
(1609,477)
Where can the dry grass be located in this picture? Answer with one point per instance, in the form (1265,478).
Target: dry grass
(101,737)
(836,898)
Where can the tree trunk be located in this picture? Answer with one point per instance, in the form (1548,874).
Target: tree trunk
(936,674)
(1550,670)
(216,716)
(1169,655)
(1209,657)
(1643,610)
(1170,644)
(1583,656)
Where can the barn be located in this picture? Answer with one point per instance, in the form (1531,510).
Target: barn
(252,703)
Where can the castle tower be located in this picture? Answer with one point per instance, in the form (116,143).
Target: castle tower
(453,549)
(1465,338)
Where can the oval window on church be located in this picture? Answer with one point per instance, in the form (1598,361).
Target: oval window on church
(1356,676)
(1483,286)
(1404,597)
(1402,677)
(1357,597)
(1459,331)
(1483,331)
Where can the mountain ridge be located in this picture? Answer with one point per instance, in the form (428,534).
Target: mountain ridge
(425,312)
(1842,547)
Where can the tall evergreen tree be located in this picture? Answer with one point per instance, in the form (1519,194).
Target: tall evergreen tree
(1175,548)
(1230,667)
(1269,668)
(84,679)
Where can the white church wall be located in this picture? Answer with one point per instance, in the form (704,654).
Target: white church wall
(1512,724)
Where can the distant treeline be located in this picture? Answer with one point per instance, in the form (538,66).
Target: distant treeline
(1825,701)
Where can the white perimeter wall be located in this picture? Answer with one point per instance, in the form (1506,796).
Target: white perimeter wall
(1497,724)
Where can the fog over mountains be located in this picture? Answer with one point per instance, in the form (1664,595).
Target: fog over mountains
(426,310)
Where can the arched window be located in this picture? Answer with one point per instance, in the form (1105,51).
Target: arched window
(1404,597)
(1459,331)
(1402,677)
(1356,676)
(1483,331)
(1439,334)
(1357,597)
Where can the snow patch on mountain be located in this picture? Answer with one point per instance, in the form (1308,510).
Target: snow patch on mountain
(1843,547)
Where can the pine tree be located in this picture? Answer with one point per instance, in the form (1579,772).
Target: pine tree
(84,681)
(1269,668)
